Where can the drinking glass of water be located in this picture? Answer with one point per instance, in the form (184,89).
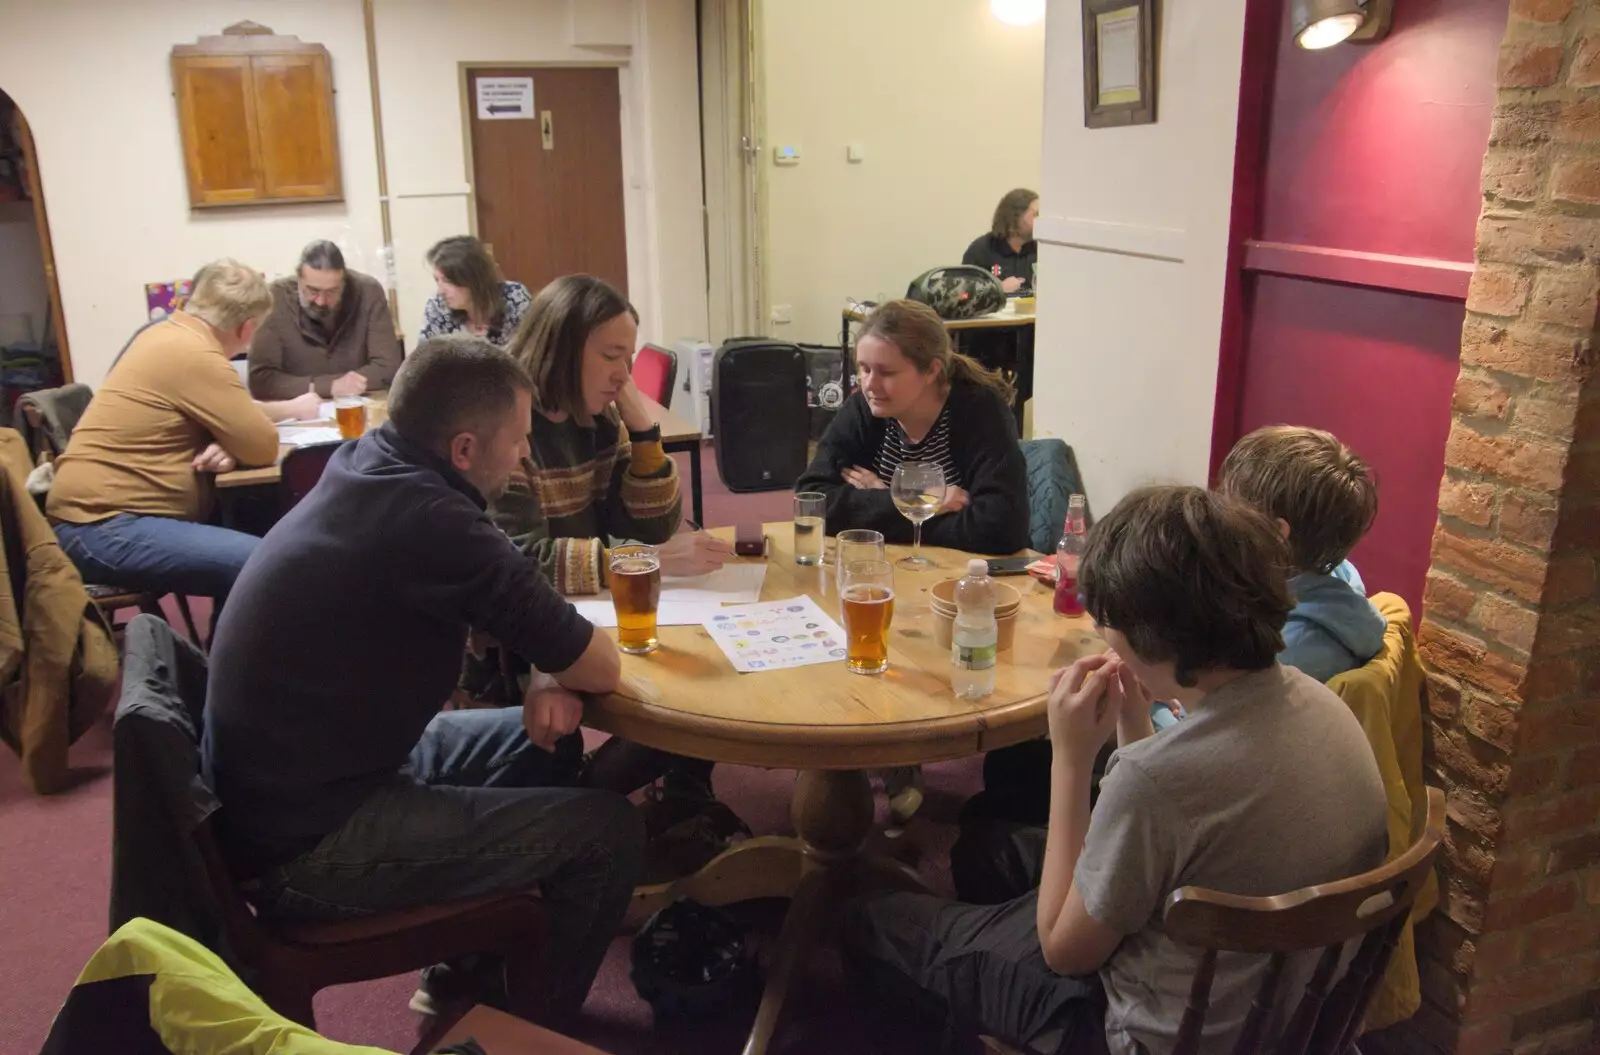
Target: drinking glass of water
(810,527)
(918,492)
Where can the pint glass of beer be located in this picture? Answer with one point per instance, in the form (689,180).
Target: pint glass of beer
(351,413)
(866,593)
(636,591)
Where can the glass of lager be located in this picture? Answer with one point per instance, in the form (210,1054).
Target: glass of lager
(636,592)
(867,599)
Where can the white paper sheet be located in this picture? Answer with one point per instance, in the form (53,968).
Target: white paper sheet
(304,436)
(737,582)
(775,635)
(602,613)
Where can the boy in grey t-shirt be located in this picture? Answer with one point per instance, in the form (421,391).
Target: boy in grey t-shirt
(1268,786)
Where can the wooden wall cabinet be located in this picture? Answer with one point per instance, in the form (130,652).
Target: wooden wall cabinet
(255,111)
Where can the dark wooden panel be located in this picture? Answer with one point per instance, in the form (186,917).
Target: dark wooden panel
(554,212)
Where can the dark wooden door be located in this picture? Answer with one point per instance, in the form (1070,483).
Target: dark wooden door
(551,204)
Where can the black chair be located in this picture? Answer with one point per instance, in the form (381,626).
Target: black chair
(300,471)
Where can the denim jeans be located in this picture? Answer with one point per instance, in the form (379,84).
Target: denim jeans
(468,818)
(161,554)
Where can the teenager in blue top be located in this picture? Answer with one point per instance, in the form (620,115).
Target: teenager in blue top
(1324,500)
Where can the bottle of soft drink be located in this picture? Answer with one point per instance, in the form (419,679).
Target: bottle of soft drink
(1069,551)
(975,635)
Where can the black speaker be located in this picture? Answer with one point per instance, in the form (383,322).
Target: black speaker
(759,418)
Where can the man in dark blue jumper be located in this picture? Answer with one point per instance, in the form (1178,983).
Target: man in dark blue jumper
(345,790)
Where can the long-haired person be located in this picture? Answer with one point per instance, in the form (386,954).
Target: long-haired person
(1008,251)
(596,473)
(921,401)
(472,297)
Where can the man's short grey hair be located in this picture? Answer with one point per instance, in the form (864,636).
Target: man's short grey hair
(451,385)
(321,255)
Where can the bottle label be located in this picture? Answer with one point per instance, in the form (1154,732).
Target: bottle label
(973,657)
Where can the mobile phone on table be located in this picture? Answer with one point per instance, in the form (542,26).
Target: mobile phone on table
(1010,565)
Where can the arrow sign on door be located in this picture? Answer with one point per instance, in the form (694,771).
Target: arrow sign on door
(505,98)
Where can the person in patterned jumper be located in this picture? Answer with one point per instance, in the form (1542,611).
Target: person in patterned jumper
(596,473)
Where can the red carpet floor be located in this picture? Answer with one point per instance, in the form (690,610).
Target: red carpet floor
(55,878)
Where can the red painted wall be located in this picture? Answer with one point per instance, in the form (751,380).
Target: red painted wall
(1359,170)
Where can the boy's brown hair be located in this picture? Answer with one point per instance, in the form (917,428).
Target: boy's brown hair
(1306,477)
(1192,576)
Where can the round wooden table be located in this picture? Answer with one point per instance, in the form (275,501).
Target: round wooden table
(831,725)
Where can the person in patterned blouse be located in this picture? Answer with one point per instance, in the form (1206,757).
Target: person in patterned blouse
(472,297)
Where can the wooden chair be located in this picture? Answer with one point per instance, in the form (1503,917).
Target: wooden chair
(655,371)
(1373,907)
(157,734)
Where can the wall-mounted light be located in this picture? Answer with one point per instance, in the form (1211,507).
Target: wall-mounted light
(1017,12)
(1324,23)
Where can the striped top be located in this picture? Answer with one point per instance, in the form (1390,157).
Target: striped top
(896,447)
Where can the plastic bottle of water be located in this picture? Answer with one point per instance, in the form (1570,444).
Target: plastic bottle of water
(973,639)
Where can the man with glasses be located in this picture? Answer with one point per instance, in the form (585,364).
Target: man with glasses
(330,332)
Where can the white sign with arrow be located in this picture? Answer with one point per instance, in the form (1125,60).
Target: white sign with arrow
(505,98)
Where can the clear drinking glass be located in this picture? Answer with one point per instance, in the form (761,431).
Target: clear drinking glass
(866,602)
(809,526)
(853,545)
(918,492)
(636,592)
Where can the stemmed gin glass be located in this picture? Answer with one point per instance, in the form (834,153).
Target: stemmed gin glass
(918,492)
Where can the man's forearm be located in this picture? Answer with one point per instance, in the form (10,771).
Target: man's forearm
(277,409)
(1069,824)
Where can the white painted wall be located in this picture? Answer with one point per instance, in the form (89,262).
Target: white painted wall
(1132,257)
(946,102)
(113,166)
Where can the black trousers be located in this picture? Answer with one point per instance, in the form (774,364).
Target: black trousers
(953,970)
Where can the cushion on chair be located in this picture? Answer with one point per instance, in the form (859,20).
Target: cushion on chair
(1052,479)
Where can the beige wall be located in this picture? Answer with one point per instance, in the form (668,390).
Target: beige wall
(1132,255)
(945,101)
(113,167)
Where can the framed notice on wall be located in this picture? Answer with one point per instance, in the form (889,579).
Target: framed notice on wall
(1119,62)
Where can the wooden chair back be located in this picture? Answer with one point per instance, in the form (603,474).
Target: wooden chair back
(300,471)
(1373,906)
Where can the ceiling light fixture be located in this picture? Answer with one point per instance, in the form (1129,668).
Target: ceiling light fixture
(1017,12)
(1323,23)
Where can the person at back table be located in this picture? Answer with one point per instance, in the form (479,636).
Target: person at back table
(920,401)
(133,489)
(1188,589)
(595,472)
(472,298)
(330,331)
(1008,251)
(345,790)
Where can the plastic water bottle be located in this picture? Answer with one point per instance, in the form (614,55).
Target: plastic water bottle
(974,638)
(1069,551)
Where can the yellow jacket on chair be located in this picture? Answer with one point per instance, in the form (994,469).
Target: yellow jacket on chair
(1386,696)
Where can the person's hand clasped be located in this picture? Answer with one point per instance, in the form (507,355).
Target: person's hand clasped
(549,713)
(955,500)
(693,553)
(865,479)
(1082,712)
(1012,284)
(351,384)
(214,460)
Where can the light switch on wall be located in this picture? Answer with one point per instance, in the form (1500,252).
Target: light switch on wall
(855,153)
(786,155)
(782,313)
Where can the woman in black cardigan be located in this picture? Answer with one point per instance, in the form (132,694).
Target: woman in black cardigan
(921,401)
